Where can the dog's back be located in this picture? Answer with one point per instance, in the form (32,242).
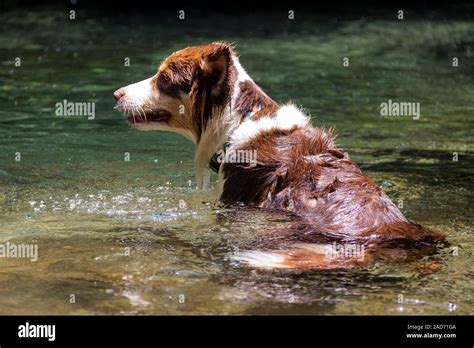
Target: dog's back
(203,93)
(300,170)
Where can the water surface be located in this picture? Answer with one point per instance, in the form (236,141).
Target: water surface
(113,232)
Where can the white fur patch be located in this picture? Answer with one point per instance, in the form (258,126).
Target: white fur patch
(260,259)
(287,117)
(241,73)
(215,134)
(276,259)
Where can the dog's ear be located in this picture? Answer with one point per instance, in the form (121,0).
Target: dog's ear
(212,87)
(215,68)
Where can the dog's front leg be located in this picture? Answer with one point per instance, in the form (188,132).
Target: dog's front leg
(201,169)
(202,156)
(203,177)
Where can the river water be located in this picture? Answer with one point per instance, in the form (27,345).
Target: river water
(112,235)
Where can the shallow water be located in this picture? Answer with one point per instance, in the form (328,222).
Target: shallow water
(113,232)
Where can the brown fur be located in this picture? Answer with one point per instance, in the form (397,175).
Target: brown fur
(251,95)
(205,73)
(299,171)
(303,172)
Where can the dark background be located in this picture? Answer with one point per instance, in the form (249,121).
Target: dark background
(343,9)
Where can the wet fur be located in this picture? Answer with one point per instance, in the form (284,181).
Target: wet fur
(299,170)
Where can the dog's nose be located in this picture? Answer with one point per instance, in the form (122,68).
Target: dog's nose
(119,93)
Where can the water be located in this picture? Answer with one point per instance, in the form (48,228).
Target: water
(114,234)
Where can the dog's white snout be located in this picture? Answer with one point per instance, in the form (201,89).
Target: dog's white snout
(133,97)
(138,92)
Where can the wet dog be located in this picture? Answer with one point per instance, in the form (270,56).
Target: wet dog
(269,156)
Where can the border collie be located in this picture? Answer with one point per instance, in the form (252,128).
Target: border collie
(269,156)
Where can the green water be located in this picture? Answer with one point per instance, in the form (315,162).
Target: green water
(111,231)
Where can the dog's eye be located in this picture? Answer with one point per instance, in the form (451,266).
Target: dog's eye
(167,84)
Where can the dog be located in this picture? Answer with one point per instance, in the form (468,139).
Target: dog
(269,156)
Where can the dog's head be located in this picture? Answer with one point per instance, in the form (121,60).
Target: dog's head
(191,86)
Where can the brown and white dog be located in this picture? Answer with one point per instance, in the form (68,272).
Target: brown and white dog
(204,94)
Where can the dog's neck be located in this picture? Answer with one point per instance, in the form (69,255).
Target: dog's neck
(247,101)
